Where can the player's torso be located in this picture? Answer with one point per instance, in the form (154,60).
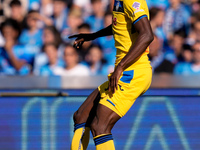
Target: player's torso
(123,30)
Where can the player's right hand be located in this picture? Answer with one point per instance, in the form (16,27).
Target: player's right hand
(114,78)
(81,38)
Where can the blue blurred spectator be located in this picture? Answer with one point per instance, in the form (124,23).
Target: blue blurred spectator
(176,18)
(74,20)
(46,8)
(194,6)
(33,4)
(107,43)
(54,65)
(17,12)
(95,61)
(194,33)
(84,28)
(30,38)
(187,53)
(10,62)
(2,42)
(72,65)
(176,45)
(175,23)
(160,60)
(163,4)
(50,35)
(86,7)
(157,17)
(190,68)
(32,35)
(60,13)
(97,18)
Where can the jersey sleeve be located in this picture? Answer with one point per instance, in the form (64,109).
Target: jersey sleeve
(136,10)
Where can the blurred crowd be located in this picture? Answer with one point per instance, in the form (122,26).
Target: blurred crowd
(34,37)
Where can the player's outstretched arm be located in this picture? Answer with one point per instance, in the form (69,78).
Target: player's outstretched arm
(81,38)
(145,37)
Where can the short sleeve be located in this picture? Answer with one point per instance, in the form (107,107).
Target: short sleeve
(136,9)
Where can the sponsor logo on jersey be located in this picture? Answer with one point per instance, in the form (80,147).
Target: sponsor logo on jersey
(136,5)
(140,10)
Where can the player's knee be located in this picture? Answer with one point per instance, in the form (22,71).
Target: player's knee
(97,128)
(77,118)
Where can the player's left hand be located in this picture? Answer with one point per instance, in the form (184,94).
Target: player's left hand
(81,38)
(113,82)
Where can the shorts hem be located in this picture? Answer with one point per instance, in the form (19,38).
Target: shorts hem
(111,107)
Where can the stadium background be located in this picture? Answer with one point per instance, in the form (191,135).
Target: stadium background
(35,112)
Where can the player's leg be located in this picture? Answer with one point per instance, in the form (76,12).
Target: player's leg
(101,126)
(82,119)
(114,106)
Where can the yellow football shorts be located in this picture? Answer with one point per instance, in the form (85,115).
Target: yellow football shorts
(131,85)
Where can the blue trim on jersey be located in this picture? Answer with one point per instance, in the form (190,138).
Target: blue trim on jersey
(127,76)
(110,102)
(77,126)
(103,139)
(139,19)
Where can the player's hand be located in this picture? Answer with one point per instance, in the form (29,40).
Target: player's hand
(81,38)
(113,82)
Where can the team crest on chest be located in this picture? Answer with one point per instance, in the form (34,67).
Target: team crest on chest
(118,6)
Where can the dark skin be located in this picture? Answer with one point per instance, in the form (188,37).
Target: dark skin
(104,117)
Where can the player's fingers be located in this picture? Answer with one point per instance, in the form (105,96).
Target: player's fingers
(116,84)
(73,36)
(109,86)
(79,44)
(78,40)
(113,86)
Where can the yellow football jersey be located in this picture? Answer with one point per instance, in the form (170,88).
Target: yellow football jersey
(125,14)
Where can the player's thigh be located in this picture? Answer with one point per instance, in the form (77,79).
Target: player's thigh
(131,85)
(104,120)
(87,108)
